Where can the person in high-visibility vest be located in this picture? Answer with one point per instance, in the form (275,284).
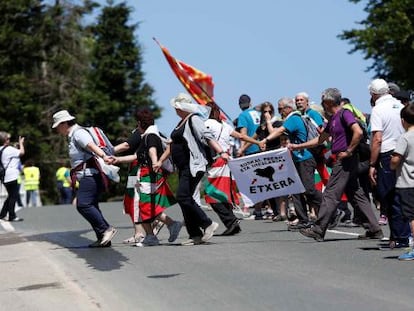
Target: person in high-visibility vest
(63,182)
(31,182)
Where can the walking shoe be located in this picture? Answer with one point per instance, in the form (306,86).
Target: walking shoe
(193,241)
(407,256)
(150,240)
(383,220)
(238,212)
(233,229)
(368,235)
(97,244)
(209,231)
(299,226)
(16,219)
(174,230)
(311,233)
(108,235)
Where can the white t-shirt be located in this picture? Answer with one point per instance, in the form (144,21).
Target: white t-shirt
(385,118)
(222,133)
(11,161)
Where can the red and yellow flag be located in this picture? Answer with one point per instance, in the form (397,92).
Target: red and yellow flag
(197,83)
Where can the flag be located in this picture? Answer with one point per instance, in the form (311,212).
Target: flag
(199,84)
(265,175)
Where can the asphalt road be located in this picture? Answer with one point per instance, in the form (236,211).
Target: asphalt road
(46,265)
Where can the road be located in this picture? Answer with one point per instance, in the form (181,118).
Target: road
(46,265)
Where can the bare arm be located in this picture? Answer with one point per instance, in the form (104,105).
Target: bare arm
(311,143)
(395,161)
(375,151)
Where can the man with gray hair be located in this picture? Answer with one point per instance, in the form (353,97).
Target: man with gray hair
(386,128)
(346,134)
(304,161)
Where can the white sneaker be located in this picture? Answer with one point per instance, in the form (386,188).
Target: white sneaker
(150,240)
(174,230)
(108,235)
(209,231)
(238,212)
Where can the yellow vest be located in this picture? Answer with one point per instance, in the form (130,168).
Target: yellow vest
(31,178)
(60,176)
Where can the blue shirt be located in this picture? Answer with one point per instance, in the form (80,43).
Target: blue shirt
(315,116)
(250,119)
(297,133)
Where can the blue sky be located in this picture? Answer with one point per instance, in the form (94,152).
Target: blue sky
(266,48)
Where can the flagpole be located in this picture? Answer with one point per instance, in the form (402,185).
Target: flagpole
(196,83)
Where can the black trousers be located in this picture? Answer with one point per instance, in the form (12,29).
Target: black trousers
(12,188)
(194,217)
(225,212)
(312,196)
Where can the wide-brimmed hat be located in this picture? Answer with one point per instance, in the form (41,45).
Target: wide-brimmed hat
(185,103)
(61,116)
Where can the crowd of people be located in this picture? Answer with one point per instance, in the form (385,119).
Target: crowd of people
(363,160)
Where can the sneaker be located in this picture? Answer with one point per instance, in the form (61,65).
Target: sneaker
(193,241)
(407,256)
(209,231)
(97,244)
(368,235)
(133,239)
(174,230)
(108,235)
(233,229)
(383,220)
(16,219)
(311,233)
(299,226)
(150,240)
(238,212)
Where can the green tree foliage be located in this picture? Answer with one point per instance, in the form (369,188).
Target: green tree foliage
(115,87)
(387,38)
(51,59)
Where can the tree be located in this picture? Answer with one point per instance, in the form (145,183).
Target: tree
(387,38)
(115,87)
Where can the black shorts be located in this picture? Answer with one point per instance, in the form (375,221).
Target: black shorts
(406,196)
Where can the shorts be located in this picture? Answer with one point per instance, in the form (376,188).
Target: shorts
(406,196)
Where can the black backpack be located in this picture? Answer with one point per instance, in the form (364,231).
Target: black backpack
(363,149)
(2,168)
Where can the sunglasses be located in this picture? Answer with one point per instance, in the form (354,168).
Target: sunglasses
(269,111)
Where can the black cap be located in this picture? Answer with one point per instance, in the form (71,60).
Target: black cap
(402,95)
(244,101)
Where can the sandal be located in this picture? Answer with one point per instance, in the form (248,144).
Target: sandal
(133,239)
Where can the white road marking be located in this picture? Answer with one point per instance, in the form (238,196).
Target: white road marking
(343,232)
(7,226)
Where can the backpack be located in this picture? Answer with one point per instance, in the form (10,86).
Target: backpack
(103,142)
(2,168)
(100,139)
(167,165)
(207,151)
(312,132)
(363,149)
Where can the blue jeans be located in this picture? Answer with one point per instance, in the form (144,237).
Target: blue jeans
(90,188)
(386,180)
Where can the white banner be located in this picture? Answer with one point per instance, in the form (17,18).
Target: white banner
(266,175)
